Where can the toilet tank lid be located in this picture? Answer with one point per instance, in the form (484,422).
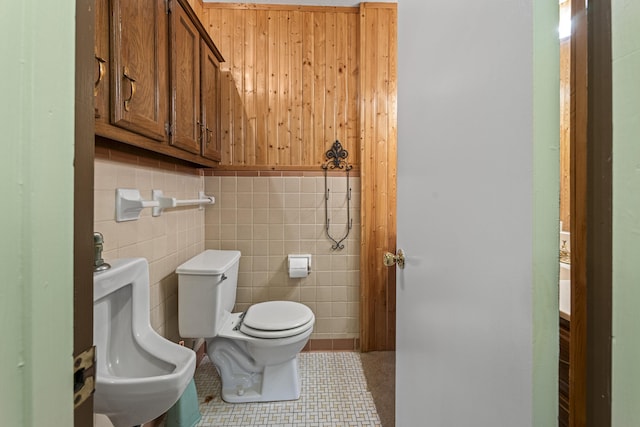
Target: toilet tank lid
(210,262)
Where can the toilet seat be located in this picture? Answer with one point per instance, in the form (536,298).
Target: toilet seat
(276,319)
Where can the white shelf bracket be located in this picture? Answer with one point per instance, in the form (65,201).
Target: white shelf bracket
(129,204)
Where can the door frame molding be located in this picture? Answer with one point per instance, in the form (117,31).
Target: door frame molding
(591,216)
(599,250)
(83,193)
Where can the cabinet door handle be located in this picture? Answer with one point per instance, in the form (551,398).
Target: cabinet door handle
(101,63)
(209,132)
(132,85)
(200,131)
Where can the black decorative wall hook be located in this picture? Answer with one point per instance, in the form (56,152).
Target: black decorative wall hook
(337,159)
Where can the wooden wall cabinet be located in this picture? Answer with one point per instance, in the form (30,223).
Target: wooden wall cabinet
(102,61)
(210,115)
(139,67)
(195,94)
(148,90)
(185,75)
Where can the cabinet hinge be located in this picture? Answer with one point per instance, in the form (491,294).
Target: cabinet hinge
(84,373)
(168,129)
(167,7)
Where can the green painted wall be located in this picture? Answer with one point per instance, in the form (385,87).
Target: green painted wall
(626,212)
(36,185)
(546,182)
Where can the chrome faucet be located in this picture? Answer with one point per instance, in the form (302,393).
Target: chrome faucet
(98,262)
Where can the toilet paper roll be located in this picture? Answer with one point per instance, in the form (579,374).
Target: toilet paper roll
(296,273)
(298,267)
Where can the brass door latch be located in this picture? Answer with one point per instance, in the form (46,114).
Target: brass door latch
(84,374)
(389,259)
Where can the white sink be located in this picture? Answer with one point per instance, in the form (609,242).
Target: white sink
(139,374)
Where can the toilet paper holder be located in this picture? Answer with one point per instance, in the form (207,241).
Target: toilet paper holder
(299,265)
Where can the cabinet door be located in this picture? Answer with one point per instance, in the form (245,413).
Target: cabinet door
(101,43)
(186,129)
(210,78)
(139,85)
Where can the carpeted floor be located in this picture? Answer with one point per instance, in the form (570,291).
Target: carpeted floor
(380,372)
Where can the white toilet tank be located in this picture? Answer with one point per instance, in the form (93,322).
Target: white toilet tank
(206,292)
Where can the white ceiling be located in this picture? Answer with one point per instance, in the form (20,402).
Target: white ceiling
(301,2)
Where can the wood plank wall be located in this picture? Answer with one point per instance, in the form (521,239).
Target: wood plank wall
(378,87)
(296,78)
(197,7)
(565,127)
(289,83)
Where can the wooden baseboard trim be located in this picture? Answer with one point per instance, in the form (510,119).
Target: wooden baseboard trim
(289,171)
(333,344)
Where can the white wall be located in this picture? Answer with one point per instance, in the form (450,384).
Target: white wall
(479,134)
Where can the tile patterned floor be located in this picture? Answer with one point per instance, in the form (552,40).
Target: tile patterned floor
(334,393)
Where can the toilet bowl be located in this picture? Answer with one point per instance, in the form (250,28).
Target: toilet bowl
(255,352)
(139,374)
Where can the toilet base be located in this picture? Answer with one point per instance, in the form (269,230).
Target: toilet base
(243,381)
(277,383)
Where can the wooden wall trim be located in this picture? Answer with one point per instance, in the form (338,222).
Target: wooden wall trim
(124,153)
(565,133)
(591,216)
(332,344)
(578,197)
(378,5)
(599,204)
(301,8)
(366,330)
(83,194)
(240,168)
(378,145)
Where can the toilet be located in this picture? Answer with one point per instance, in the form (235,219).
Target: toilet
(139,374)
(255,352)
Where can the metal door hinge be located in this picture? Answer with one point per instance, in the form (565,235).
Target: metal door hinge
(168,129)
(84,376)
